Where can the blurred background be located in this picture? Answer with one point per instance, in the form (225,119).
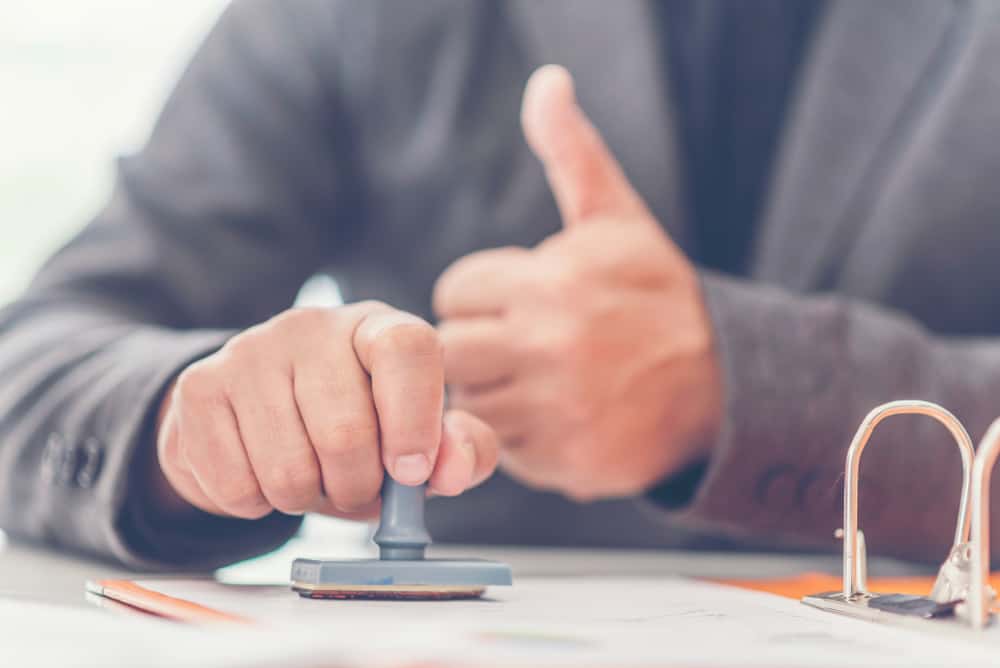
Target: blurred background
(80,82)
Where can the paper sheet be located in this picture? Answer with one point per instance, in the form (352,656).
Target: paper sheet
(595,621)
(42,635)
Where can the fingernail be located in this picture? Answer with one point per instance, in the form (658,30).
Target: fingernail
(411,469)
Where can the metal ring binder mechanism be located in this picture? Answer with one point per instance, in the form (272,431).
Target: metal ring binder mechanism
(961,595)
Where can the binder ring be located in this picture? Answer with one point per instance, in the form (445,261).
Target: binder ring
(853,578)
(979,599)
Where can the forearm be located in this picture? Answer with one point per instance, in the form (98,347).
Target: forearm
(799,375)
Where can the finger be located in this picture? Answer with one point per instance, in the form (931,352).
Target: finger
(481,283)
(542,475)
(187,485)
(334,396)
(585,177)
(505,408)
(544,460)
(527,472)
(275,439)
(365,513)
(468,454)
(403,356)
(477,351)
(177,471)
(210,443)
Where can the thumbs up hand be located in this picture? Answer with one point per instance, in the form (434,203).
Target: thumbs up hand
(591,354)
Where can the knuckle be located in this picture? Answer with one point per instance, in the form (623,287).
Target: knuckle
(356,312)
(352,469)
(243,346)
(357,493)
(241,498)
(197,384)
(368,305)
(292,488)
(414,339)
(557,341)
(347,448)
(300,322)
(569,340)
(533,344)
(348,439)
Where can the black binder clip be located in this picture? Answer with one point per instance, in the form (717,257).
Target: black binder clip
(961,596)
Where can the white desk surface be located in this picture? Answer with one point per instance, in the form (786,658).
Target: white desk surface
(42,597)
(32,573)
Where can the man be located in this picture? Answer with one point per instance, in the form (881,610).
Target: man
(755,222)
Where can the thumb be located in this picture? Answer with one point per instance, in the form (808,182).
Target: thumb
(584,176)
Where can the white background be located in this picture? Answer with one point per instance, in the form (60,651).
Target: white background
(80,82)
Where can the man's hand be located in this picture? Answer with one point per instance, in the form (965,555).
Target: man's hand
(306,411)
(592,354)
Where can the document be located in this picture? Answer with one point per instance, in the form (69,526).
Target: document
(41,635)
(619,621)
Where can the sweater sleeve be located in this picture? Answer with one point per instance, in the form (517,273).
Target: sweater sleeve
(235,200)
(800,373)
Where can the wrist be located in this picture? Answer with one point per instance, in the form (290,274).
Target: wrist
(687,397)
(691,431)
(701,380)
(694,427)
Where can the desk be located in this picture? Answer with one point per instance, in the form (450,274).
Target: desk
(67,633)
(31,573)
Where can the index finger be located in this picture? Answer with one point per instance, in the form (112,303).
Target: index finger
(481,283)
(402,355)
